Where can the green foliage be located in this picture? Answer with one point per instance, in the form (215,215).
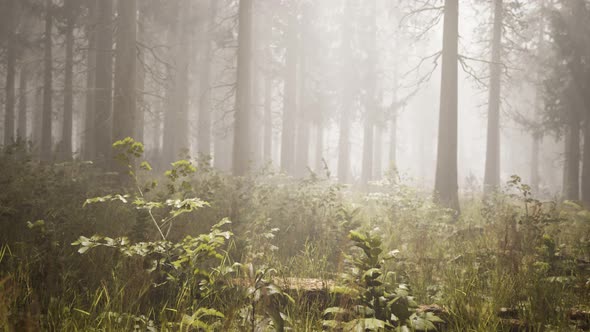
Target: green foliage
(377,301)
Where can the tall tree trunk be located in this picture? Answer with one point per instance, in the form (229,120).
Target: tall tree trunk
(571,190)
(378,153)
(176,116)
(446,182)
(9,137)
(204,124)
(393,140)
(140,107)
(104,82)
(537,135)
(302,145)
(124,103)
(9,118)
(319,146)
(37,119)
(267,148)
(21,131)
(582,84)
(348,90)
(370,102)
(46,132)
(89,148)
(242,112)
(492,166)
(66,140)
(290,99)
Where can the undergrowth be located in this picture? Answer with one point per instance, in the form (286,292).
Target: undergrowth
(195,249)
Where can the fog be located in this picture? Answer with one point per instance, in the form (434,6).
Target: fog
(321,80)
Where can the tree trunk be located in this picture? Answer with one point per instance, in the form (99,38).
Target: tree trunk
(492,166)
(9,120)
(124,103)
(267,148)
(319,146)
(46,132)
(302,146)
(21,131)
(537,135)
(242,112)
(176,116)
(571,190)
(289,99)
(446,182)
(347,98)
(140,107)
(104,82)
(66,139)
(378,153)
(370,98)
(89,148)
(204,134)
(393,140)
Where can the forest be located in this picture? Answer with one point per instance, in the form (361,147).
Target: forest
(294,165)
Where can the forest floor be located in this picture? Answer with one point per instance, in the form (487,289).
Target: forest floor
(194,249)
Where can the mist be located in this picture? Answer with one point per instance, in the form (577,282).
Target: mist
(223,160)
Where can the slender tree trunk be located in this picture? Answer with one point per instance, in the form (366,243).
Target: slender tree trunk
(302,146)
(176,116)
(21,131)
(537,135)
(267,148)
(378,153)
(319,146)
(492,166)
(124,105)
(104,82)
(370,103)
(46,132)
(140,107)
(37,120)
(572,156)
(204,138)
(242,112)
(9,137)
(393,141)
(446,182)
(66,140)
(348,90)
(289,99)
(89,148)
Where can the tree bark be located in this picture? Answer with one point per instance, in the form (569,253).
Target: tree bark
(302,145)
(103,83)
(124,103)
(242,113)
(89,148)
(492,166)
(571,190)
(21,131)
(267,145)
(347,98)
(446,182)
(204,124)
(176,117)
(319,146)
(378,153)
(370,98)
(140,107)
(290,99)
(9,118)
(66,140)
(46,130)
